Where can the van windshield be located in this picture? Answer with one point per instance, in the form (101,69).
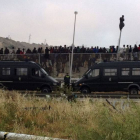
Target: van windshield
(44,72)
(86,72)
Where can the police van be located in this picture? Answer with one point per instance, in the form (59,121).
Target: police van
(25,75)
(111,76)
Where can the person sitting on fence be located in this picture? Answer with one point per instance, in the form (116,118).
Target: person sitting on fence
(47,51)
(127,53)
(6,51)
(39,50)
(130,49)
(139,48)
(18,51)
(34,50)
(135,50)
(1,51)
(28,51)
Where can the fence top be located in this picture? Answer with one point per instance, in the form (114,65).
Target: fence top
(68,53)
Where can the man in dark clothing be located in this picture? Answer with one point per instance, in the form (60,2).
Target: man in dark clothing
(18,51)
(1,51)
(34,50)
(28,51)
(39,50)
(121,25)
(47,53)
(67,80)
(6,51)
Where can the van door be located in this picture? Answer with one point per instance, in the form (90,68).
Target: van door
(93,79)
(20,78)
(109,79)
(35,78)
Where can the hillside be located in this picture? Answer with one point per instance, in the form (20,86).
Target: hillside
(11,44)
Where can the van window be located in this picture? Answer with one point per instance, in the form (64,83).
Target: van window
(87,72)
(43,71)
(5,71)
(110,72)
(125,71)
(36,72)
(94,73)
(135,71)
(21,71)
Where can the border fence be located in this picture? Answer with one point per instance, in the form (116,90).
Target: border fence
(58,64)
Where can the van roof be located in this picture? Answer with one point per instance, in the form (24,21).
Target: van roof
(12,61)
(8,62)
(117,63)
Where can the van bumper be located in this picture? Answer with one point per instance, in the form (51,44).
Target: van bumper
(55,87)
(75,87)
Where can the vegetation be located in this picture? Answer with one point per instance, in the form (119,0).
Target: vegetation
(80,120)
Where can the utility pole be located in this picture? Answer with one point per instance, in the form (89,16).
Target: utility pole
(73,46)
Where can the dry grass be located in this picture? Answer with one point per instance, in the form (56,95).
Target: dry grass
(73,120)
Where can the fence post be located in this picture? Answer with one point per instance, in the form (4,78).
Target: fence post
(112,57)
(39,58)
(69,62)
(100,57)
(131,56)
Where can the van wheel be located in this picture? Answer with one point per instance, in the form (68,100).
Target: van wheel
(133,91)
(85,90)
(45,90)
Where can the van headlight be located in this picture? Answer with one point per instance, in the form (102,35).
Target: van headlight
(55,84)
(78,84)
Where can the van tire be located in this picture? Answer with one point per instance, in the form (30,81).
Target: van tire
(133,91)
(46,90)
(85,90)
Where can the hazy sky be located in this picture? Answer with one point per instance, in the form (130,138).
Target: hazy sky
(97,21)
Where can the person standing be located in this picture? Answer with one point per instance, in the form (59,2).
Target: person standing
(67,80)
(127,53)
(124,52)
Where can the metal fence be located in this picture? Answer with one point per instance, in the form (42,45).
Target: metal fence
(57,64)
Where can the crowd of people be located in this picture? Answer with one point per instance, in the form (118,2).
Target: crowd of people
(65,49)
(57,59)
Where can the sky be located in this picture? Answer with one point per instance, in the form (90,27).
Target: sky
(97,21)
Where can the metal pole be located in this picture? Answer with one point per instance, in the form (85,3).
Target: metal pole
(69,62)
(16,136)
(119,45)
(73,46)
(39,59)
